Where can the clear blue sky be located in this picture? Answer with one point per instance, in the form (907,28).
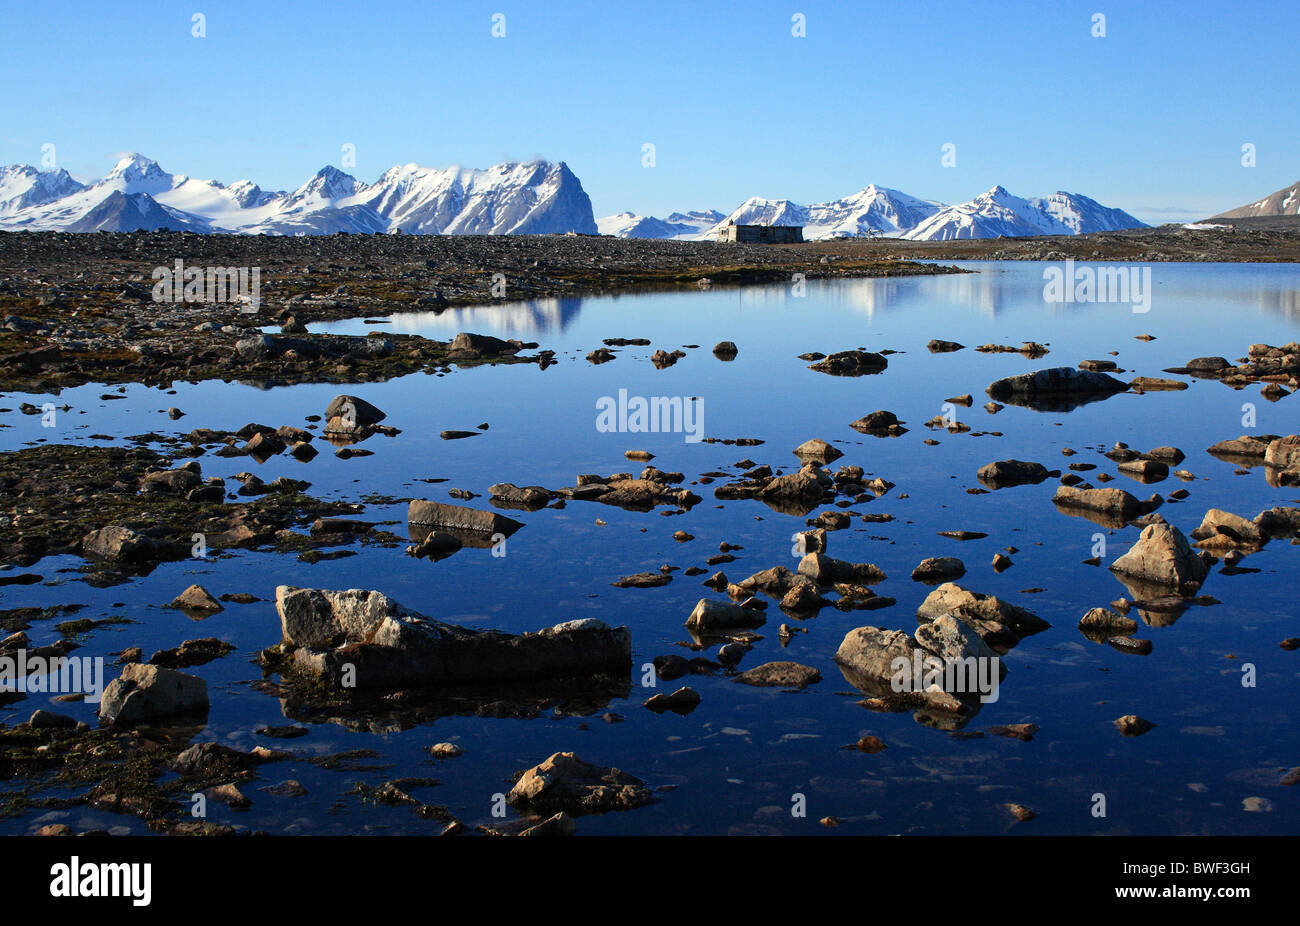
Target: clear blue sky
(1150,118)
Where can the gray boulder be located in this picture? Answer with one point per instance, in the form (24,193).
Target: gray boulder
(370,641)
(119,543)
(148,692)
(423,513)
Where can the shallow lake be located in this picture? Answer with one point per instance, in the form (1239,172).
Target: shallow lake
(746,756)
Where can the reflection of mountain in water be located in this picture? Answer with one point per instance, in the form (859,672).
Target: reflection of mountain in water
(990,291)
(505,319)
(982,291)
(987,291)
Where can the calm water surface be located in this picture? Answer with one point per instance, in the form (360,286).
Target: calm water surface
(736,763)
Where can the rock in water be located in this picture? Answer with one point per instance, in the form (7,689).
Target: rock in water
(1221,530)
(867,655)
(1101,623)
(1163,556)
(826,570)
(851,363)
(375,642)
(196,598)
(566,783)
(880,423)
(817,451)
(938,569)
(459,518)
(349,416)
(1113,503)
(149,692)
(720,615)
(953,639)
(1006,473)
(119,543)
(1133,725)
(987,613)
(1055,388)
(483,345)
(780,675)
(682,701)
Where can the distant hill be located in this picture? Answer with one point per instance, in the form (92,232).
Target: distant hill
(1283,202)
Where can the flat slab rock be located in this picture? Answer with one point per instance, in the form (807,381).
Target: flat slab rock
(566,783)
(643,580)
(382,644)
(458,517)
(1116,502)
(780,675)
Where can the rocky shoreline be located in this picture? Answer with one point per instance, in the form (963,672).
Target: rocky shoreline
(80,308)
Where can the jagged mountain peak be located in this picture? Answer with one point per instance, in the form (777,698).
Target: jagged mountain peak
(23,186)
(135,173)
(329,183)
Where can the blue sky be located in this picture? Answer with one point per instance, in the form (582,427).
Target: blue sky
(1151,118)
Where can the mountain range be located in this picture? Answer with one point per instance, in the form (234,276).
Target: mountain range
(882,211)
(533,197)
(536,197)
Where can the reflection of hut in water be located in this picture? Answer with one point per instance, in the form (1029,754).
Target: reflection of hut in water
(761,234)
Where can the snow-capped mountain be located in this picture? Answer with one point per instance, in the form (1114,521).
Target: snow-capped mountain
(873,210)
(677,225)
(759,211)
(999,213)
(704,218)
(877,210)
(1283,202)
(127,212)
(535,197)
(22,187)
(135,173)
